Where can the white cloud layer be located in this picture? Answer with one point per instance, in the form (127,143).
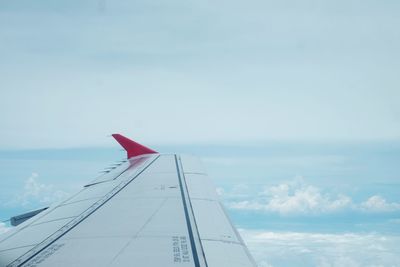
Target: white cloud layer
(3,228)
(379,204)
(272,249)
(298,198)
(36,192)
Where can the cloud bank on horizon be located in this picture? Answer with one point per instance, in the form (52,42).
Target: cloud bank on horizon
(195,72)
(272,249)
(296,197)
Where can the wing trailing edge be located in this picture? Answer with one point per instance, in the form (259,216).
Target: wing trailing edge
(132,148)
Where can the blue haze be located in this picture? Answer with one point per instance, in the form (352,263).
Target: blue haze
(358,170)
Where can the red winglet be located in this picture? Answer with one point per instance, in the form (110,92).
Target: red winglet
(132,148)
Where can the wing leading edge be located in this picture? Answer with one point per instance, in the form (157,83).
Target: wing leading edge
(155,210)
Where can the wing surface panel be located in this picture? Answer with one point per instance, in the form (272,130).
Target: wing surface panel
(220,241)
(112,173)
(144,222)
(44,227)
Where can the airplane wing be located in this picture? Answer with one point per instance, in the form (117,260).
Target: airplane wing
(152,210)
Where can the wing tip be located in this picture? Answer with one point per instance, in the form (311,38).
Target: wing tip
(132,148)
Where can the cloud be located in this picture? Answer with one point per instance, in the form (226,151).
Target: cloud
(3,228)
(35,192)
(299,198)
(379,204)
(294,197)
(320,249)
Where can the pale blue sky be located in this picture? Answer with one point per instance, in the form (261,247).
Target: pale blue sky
(198,71)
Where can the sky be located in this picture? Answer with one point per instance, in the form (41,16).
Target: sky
(198,71)
(292,106)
